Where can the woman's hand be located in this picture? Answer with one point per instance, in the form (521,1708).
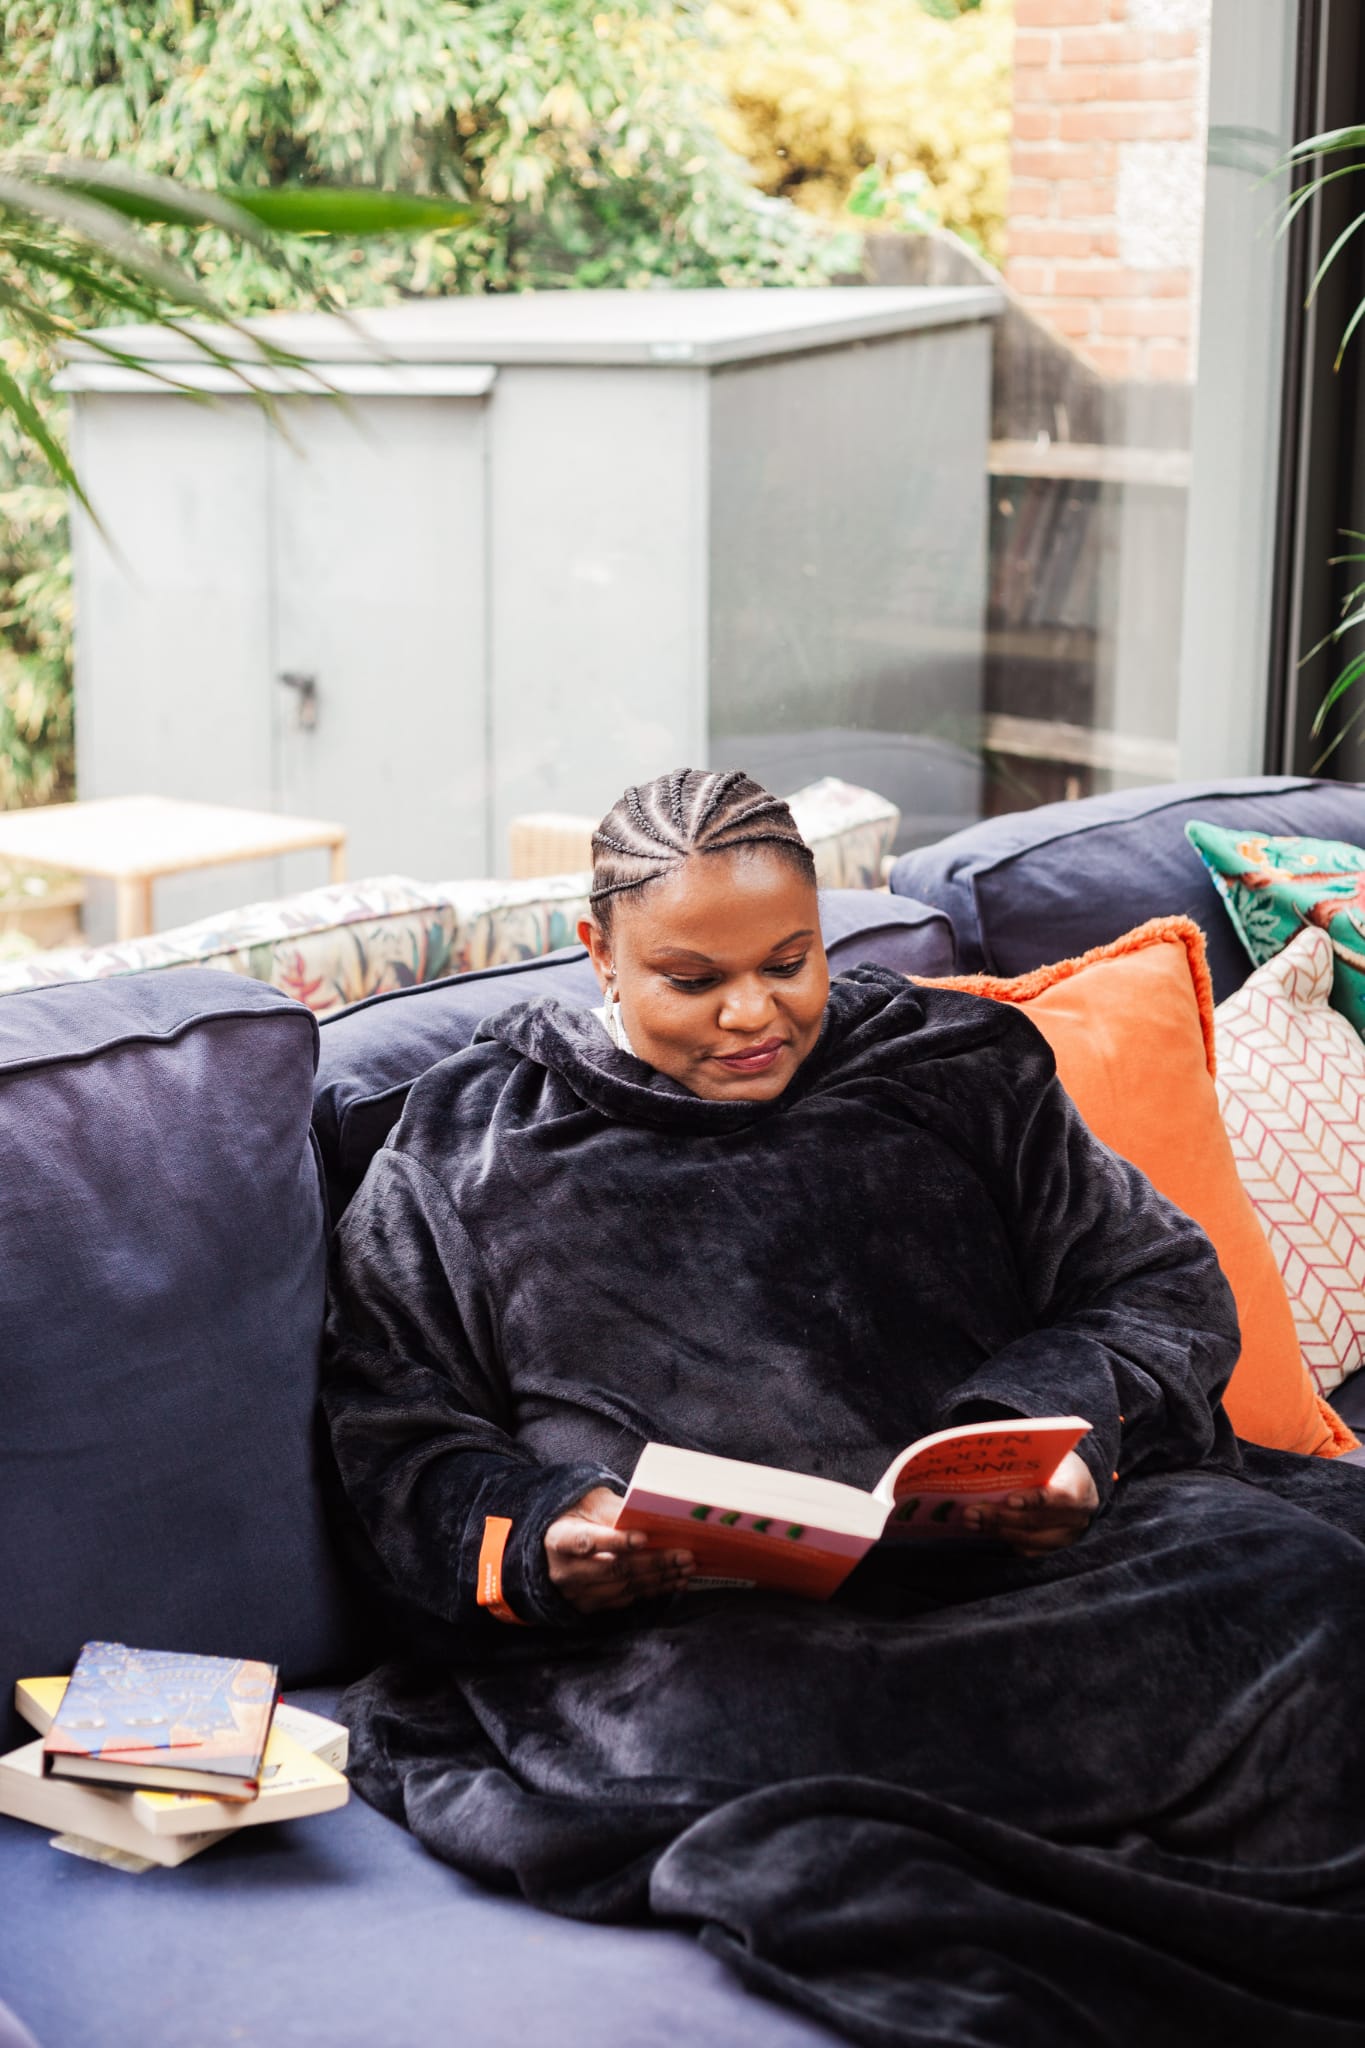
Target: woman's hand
(597,1566)
(1048,1518)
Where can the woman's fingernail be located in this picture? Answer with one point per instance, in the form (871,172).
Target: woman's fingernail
(637,1539)
(1016,1500)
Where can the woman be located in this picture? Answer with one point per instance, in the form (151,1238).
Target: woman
(1098,1778)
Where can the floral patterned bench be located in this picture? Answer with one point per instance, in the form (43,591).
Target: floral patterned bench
(330,947)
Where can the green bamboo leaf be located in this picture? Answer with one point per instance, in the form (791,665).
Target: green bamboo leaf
(253,214)
(1295,204)
(1333,744)
(141,196)
(1330,258)
(337,210)
(1330,142)
(113,291)
(16,401)
(1351,326)
(105,231)
(1329,638)
(1341,684)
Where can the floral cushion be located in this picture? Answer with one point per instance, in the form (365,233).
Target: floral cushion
(333,946)
(1273,888)
(326,947)
(498,922)
(849,830)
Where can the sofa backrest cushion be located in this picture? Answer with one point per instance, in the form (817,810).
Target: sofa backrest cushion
(1048,884)
(372,1053)
(1132,1026)
(162,1267)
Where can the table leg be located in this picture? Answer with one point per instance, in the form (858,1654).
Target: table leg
(133,912)
(339,861)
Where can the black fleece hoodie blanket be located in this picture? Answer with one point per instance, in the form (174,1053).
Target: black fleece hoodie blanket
(1117,1796)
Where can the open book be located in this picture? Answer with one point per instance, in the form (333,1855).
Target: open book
(757,1525)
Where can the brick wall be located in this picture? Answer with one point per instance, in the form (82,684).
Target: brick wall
(1106,196)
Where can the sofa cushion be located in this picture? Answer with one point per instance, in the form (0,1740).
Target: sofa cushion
(1291,1087)
(13,2034)
(1349,1401)
(325,947)
(342,1932)
(1272,888)
(1131,1025)
(1037,885)
(372,1053)
(161,1270)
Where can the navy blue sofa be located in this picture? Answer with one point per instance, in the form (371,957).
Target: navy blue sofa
(173,1147)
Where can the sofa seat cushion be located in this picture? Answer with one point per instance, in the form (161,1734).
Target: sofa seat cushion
(372,1053)
(342,1932)
(162,1258)
(1037,885)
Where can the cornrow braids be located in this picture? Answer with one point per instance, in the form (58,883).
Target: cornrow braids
(655,826)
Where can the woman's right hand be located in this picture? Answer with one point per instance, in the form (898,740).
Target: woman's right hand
(597,1566)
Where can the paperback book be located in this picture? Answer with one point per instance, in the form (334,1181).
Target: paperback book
(163,1720)
(758,1525)
(300,1774)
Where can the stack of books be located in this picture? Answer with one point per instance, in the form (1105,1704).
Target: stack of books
(148,1757)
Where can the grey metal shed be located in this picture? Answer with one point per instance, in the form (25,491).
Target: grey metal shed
(552,544)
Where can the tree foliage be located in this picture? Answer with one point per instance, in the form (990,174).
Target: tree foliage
(905,108)
(582,131)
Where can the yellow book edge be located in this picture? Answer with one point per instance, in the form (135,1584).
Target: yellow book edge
(295,1782)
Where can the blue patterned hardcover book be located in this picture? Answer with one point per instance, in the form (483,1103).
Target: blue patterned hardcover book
(179,1722)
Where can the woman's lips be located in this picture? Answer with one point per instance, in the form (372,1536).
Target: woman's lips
(755,1059)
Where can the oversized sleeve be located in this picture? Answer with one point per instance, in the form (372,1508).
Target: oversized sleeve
(1133,1323)
(420,1412)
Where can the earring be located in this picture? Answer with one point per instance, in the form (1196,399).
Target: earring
(616,1030)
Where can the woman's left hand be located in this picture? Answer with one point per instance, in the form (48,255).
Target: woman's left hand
(1050,1517)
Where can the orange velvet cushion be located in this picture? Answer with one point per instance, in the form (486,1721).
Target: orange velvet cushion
(1131,1025)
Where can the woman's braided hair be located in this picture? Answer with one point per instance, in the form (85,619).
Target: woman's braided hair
(651,830)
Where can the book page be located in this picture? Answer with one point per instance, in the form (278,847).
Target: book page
(704,1487)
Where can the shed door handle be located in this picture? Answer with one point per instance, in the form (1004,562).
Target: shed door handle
(307,688)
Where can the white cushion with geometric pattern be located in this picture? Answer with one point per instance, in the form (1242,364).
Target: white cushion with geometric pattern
(1291,1086)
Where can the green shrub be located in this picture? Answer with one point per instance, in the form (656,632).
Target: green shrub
(829,95)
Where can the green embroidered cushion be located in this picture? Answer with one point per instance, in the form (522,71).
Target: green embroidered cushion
(1273,888)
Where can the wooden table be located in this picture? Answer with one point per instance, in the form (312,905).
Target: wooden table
(130,840)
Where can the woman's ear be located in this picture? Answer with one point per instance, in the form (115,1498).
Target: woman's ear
(591,935)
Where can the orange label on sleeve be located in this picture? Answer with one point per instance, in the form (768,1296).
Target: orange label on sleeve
(496,1530)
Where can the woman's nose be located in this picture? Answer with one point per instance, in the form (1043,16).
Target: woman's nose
(746,1006)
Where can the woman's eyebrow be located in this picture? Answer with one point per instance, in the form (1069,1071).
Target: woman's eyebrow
(686,952)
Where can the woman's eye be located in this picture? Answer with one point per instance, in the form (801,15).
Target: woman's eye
(697,984)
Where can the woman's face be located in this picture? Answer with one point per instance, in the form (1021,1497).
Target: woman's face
(721,973)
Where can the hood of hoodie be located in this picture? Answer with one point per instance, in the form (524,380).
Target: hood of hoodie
(867,1006)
